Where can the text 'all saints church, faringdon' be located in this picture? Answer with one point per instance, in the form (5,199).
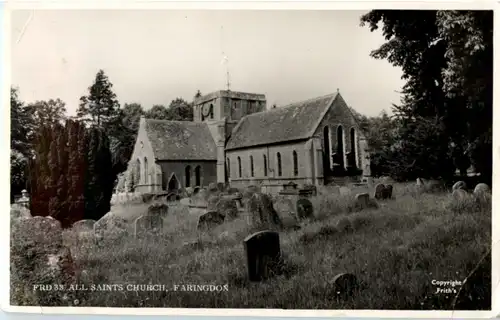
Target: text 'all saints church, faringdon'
(235,139)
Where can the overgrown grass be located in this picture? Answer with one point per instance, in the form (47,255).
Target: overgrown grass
(395,251)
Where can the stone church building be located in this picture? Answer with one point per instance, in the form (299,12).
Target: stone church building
(234,138)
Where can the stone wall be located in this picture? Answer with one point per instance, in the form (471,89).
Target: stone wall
(272,179)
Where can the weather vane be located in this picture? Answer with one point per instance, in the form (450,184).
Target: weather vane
(225,59)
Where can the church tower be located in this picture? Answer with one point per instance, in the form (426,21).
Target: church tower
(222,110)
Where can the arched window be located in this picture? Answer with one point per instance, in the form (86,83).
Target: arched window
(295,164)
(340,144)
(145,170)
(326,143)
(211,112)
(228,167)
(265,166)
(251,166)
(278,159)
(139,169)
(239,167)
(353,147)
(188,176)
(197,176)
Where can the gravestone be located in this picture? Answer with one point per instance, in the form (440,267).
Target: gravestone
(173,196)
(212,187)
(157,208)
(263,254)
(344,191)
(362,200)
(83,225)
(221,186)
(196,190)
(345,284)
(344,225)
(233,190)
(290,186)
(387,192)
(379,191)
(481,188)
(305,209)
(189,191)
(262,213)
(285,207)
(227,207)
(148,225)
(209,220)
(237,197)
(110,228)
(459,185)
(459,194)
(212,202)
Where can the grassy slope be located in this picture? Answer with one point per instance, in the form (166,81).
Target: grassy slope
(395,251)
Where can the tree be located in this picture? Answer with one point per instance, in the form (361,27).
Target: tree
(123,141)
(47,112)
(446,58)
(100,106)
(180,110)
(71,174)
(19,123)
(158,112)
(19,143)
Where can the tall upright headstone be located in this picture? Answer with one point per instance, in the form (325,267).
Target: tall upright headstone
(263,254)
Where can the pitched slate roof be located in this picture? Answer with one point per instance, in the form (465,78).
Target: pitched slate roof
(293,122)
(180,140)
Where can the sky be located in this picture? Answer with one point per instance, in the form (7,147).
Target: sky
(155,56)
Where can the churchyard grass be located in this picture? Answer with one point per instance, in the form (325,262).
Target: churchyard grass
(395,251)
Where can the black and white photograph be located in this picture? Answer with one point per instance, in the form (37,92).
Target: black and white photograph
(251,159)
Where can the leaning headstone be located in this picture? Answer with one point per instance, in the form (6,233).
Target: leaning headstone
(263,254)
(210,220)
(362,200)
(475,293)
(262,213)
(345,285)
(459,185)
(481,188)
(227,207)
(379,191)
(304,209)
(285,207)
(148,225)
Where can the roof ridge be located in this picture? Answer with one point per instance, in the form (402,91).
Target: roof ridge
(291,104)
(178,121)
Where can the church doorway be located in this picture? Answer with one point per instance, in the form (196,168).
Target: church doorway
(173,184)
